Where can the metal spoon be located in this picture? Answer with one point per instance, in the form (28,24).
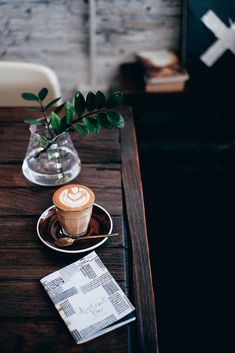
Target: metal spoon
(67,241)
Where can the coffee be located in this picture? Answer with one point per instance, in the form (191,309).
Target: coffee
(74,205)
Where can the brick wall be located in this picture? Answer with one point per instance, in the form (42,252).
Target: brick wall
(55,33)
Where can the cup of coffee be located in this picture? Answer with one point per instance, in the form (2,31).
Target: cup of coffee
(74,205)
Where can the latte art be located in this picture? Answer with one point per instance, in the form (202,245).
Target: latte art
(74,197)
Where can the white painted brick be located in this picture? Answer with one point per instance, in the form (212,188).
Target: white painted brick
(55,33)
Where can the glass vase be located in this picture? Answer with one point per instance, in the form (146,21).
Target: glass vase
(48,161)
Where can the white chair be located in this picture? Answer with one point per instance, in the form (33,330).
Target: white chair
(19,77)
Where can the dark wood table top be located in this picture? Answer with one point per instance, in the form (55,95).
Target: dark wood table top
(110,166)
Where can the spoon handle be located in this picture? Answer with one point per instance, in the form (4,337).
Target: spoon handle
(97,236)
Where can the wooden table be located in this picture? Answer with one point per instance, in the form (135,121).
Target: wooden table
(110,166)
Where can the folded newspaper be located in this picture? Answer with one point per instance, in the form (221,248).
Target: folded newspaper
(88,298)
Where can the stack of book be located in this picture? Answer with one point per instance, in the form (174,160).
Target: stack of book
(162,71)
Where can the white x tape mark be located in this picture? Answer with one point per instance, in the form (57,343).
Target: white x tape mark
(225,38)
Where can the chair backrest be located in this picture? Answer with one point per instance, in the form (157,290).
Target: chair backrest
(19,77)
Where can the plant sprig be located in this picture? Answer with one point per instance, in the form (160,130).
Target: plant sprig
(83,114)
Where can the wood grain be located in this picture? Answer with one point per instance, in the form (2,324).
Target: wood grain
(143,287)
(28,264)
(95,175)
(8,114)
(88,151)
(26,236)
(29,321)
(33,201)
(52,336)
(40,306)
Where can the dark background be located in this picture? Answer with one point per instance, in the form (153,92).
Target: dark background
(187,153)
(188,171)
(195,40)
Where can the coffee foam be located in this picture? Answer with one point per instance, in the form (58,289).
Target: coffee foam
(73,197)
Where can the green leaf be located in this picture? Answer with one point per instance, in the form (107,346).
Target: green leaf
(36,109)
(100,100)
(55,122)
(42,141)
(43,93)
(33,122)
(104,122)
(30,97)
(116,119)
(79,103)
(60,107)
(90,101)
(114,100)
(63,124)
(92,124)
(50,154)
(54,101)
(81,128)
(69,112)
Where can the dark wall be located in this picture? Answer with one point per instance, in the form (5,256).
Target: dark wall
(197,38)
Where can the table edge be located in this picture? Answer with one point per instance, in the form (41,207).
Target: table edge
(134,202)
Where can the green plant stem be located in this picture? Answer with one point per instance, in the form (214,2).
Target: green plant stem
(46,121)
(67,129)
(85,116)
(50,143)
(89,114)
(43,150)
(59,162)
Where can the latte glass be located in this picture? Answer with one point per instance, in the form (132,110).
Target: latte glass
(74,205)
